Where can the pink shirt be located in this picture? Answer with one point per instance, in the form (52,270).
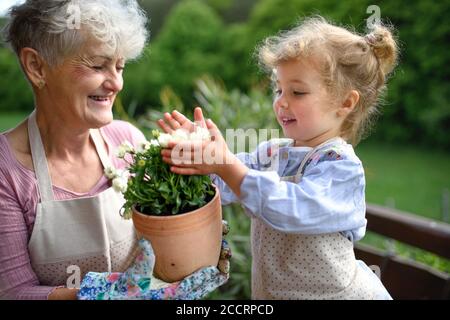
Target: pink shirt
(18,201)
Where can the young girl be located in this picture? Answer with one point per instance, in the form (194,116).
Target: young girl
(306,214)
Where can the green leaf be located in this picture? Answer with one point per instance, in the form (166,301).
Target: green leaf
(164,187)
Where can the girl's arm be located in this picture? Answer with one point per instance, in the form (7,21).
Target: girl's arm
(251,161)
(329,198)
(233,174)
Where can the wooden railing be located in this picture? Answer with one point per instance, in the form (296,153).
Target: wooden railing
(403,278)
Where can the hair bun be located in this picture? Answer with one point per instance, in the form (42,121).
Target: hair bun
(384,47)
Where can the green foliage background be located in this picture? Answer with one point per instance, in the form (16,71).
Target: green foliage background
(191,38)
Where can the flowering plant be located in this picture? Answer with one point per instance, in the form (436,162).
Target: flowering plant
(150,186)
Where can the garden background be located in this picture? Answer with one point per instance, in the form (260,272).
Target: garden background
(201,52)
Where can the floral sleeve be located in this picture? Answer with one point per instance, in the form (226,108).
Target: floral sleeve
(138,282)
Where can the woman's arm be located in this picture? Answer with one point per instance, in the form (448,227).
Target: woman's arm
(17,278)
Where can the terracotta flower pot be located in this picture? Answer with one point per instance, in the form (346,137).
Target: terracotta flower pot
(183,243)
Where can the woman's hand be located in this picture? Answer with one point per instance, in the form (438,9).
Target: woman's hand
(138,282)
(201,282)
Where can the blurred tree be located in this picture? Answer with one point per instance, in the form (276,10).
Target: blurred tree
(15,92)
(195,40)
(268,17)
(419,93)
(219,5)
(186,48)
(417,105)
(2,22)
(238,11)
(157,11)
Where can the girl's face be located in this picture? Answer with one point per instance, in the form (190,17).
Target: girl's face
(304,108)
(83,88)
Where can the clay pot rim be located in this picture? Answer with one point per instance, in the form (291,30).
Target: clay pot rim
(179,216)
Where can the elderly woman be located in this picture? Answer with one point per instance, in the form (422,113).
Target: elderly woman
(57,209)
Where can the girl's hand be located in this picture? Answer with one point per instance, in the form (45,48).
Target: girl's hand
(199,157)
(176,120)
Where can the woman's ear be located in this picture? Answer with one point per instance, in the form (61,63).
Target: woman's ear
(348,104)
(33,66)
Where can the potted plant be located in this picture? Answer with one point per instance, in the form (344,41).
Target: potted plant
(180,215)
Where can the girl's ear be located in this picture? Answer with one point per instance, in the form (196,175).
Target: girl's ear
(33,66)
(348,104)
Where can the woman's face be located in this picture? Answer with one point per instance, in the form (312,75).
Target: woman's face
(83,88)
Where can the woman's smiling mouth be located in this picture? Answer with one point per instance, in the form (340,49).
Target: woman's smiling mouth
(101,100)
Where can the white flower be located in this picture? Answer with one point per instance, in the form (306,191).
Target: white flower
(154,142)
(120,184)
(164,139)
(180,135)
(200,134)
(123,149)
(143,146)
(120,152)
(194,136)
(110,172)
(128,146)
(125,174)
(120,181)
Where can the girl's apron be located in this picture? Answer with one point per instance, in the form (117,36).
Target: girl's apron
(88,233)
(298,266)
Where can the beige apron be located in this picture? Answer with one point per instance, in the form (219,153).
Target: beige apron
(85,232)
(298,266)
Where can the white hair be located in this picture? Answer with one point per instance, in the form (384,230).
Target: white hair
(58,28)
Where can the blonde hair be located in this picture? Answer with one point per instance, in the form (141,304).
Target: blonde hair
(348,61)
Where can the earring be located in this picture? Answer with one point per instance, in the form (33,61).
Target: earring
(41,84)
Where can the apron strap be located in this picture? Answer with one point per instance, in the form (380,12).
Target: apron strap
(40,164)
(299,174)
(97,138)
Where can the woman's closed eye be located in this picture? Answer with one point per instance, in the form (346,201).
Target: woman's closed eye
(101,68)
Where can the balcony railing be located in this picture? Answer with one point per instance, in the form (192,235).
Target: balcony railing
(403,278)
